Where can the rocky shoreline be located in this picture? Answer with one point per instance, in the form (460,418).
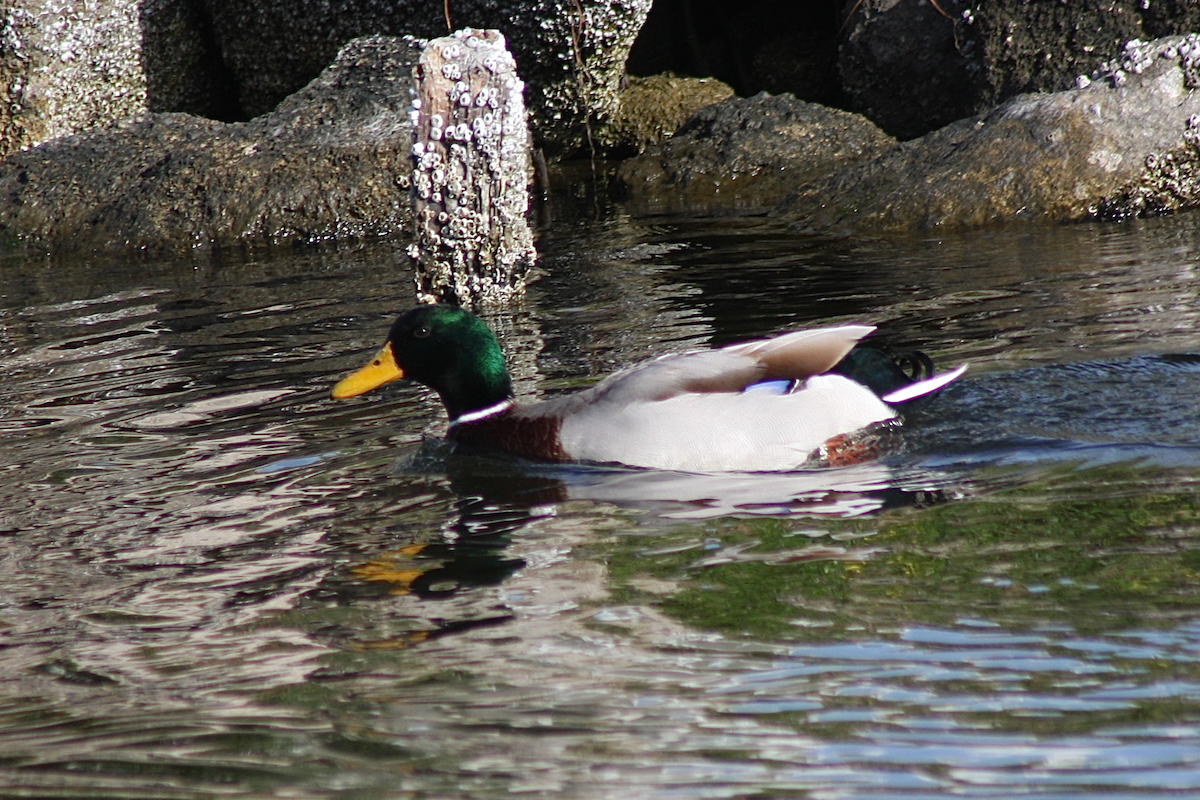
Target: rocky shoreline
(332,159)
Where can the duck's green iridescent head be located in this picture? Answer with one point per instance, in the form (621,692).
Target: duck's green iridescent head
(448,349)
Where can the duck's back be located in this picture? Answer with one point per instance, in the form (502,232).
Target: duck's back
(766,405)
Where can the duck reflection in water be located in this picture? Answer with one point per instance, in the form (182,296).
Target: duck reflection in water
(496,497)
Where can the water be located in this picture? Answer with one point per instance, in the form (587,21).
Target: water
(220,583)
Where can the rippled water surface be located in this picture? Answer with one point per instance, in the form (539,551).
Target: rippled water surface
(217,582)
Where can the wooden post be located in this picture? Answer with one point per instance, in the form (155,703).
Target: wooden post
(470,179)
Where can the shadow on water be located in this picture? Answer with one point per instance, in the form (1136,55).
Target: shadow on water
(217,582)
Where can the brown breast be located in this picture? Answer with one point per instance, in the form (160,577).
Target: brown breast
(532,437)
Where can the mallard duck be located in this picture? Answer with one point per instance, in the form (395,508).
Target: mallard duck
(764,405)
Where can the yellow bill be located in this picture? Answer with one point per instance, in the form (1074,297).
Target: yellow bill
(382,369)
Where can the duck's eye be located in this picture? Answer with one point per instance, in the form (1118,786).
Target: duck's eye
(422,332)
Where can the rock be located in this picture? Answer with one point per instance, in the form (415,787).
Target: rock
(801,63)
(65,67)
(747,154)
(913,66)
(904,66)
(69,67)
(1169,17)
(651,109)
(570,53)
(1028,47)
(181,59)
(776,46)
(332,160)
(1062,156)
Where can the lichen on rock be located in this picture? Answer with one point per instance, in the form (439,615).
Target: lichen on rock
(650,109)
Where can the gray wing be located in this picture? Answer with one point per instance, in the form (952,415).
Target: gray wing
(795,355)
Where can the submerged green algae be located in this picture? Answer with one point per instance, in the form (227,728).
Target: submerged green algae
(1100,549)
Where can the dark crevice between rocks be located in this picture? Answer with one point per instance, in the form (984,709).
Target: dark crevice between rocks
(184,64)
(765,45)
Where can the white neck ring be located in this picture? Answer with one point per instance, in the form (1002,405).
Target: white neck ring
(483,413)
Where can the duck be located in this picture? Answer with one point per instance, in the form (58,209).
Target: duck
(767,405)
